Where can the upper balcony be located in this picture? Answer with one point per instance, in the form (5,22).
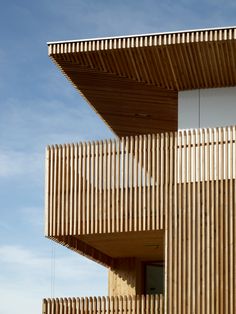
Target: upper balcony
(126,187)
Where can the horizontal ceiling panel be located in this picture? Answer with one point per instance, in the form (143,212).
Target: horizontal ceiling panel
(132,82)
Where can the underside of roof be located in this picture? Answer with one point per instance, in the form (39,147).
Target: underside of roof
(133,82)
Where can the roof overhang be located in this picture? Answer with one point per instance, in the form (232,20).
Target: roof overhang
(133,81)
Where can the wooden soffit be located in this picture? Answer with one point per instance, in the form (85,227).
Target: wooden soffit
(133,81)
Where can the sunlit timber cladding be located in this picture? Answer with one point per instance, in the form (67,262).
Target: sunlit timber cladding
(149,184)
(133,82)
(155,195)
(153,304)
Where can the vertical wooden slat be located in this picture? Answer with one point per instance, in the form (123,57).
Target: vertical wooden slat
(59,191)
(207,224)
(126,183)
(76,191)
(158,182)
(194,222)
(153,177)
(136,170)
(198,222)
(162,171)
(140,183)
(144,183)
(184,225)
(72,184)
(104,189)
(63,199)
(47,192)
(92,180)
(221,207)
(226,222)
(51,190)
(55,191)
(189,225)
(67,187)
(109,187)
(217,253)
(231,224)
(122,173)
(80,184)
(131,185)
(113,199)
(96,203)
(118,187)
(179,165)
(84,153)
(74,306)
(149,170)
(212,222)
(45,301)
(174,245)
(88,190)
(100,176)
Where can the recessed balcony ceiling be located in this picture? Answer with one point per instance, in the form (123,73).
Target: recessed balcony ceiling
(146,245)
(133,81)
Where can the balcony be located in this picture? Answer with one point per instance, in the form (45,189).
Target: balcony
(101,194)
(150,304)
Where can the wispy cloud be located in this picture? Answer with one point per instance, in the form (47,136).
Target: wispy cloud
(25,132)
(13,163)
(26,275)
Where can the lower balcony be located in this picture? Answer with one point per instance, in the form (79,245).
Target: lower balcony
(148,304)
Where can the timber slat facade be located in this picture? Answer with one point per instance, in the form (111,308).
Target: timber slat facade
(185,183)
(108,186)
(143,304)
(132,82)
(123,185)
(155,195)
(201,225)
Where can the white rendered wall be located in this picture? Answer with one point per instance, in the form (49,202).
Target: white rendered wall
(204,108)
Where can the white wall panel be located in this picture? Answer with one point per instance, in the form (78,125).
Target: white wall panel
(215,107)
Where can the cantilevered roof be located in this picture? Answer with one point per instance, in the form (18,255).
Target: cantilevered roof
(133,81)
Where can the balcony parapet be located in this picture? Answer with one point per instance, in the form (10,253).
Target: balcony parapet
(108,186)
(151,304)
(120,186)
(131,185)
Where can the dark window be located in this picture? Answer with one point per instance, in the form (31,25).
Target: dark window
(154,278)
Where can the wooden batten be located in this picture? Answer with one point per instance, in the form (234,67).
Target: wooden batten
(153,304)
(127,106)
(201,233)
(186,185)
(133,82)
(90,188)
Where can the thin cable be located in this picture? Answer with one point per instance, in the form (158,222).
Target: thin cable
(199,109)
(53,267)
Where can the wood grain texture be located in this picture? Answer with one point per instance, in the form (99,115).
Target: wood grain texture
(132,82)
(139,304)
(201,234)
(174,61)
(127,106)
(183,185)
(71,189)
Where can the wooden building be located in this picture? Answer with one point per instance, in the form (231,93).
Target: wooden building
(156,206)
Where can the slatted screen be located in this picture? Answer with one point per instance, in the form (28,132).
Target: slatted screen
(201,225)
(183,182)
(152,304)
(108,186)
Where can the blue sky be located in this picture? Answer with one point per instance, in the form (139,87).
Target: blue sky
(39,107)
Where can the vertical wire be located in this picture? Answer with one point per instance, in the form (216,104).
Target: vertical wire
(53,269)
